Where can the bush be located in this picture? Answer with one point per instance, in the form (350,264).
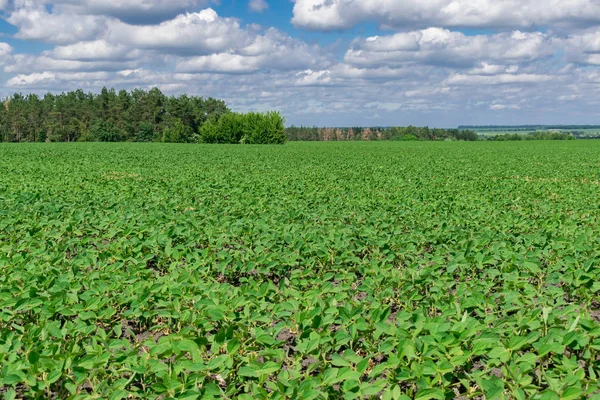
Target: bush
(409,138)
(178,133)
(86,137)
(250,128)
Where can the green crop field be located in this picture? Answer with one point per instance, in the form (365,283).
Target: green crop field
(387,270)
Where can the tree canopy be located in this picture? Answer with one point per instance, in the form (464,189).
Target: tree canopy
(136,115)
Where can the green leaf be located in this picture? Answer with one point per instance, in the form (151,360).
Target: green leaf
(367,389)
(532,267)
(546,314)
(268,368)
(547,348)
(572,393)
(13,379)
(499,353)
(187,346)
(549,395)
(53,376)
(248,372)
(432,393)
(517,342)
(233,346)
(493,388)
(338,361)
(33,357)
(329,376)
(217,362)
(10,395)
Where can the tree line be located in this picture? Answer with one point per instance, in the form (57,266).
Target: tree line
(151,116)
(532,136)
(529,128)
(135,116)
(408,133)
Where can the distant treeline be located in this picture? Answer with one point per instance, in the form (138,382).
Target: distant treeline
(410,133)
(532,136)
(517,128)
(136,116)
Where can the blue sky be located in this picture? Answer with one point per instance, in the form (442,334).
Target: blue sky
(321,62)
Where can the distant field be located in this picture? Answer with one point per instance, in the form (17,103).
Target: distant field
(392,270)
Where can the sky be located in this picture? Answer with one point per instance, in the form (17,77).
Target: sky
(439,63)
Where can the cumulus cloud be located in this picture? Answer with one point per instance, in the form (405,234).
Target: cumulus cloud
(139,11)
(34,22)
(5,49)
(51,78)
(470,79)
(273,50)
(343,14)
(95,50)
(132,11)
(195,42)
(436,46)
(582,47)
(221,63)
(203,32)
(29,63)
(258,5)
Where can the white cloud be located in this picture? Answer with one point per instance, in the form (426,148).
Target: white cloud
(437,46)
(582,47)
(497,107)
(28,63)
(34,22)
(220,63)
(50,78)
(258,5)
(95,50)
(468,79)
(133,11)
(120,6)
(203,32)
(5,50)
(313,78)
(343,14)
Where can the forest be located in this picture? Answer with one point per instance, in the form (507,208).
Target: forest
(110,116)
(409,133)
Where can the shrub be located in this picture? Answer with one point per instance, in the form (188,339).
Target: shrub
(209,131)
(409,138)
(86,137)
(250,128)
(178,133)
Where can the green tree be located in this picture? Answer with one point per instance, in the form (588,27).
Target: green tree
(177,132)
(106,131)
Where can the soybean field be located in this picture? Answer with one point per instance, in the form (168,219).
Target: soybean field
(354,270)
